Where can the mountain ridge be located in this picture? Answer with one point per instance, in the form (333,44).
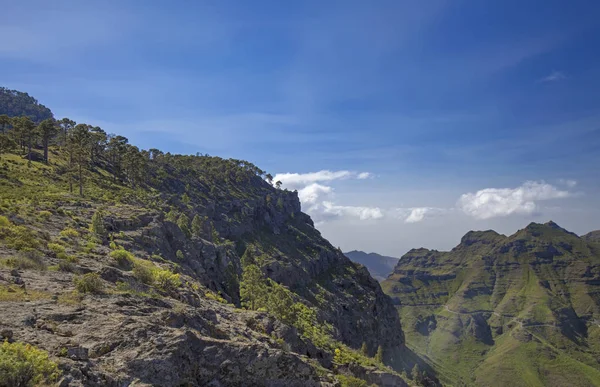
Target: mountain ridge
(521,295)
(380,266)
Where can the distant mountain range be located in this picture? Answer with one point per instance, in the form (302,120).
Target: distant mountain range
(519,310)
(379,266)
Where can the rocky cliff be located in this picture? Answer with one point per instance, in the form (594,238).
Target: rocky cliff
(140,282)
(505,310)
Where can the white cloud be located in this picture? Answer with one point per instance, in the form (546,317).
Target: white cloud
(555,76)
(311,193)
(362,213)
(298,180)
(493,202)
(417,214)
(317,199)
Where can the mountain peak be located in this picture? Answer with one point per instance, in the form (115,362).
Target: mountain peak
(486,237)
(537,229)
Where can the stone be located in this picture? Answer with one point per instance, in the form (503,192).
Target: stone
(6,334)
(78,353)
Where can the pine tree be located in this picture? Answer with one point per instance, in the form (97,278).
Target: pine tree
(97,225)
(253,289)
(79,146)
(416,373)
(196,225)
(47,129)
(280,303)
(184,224)
(379,355)
(364,350)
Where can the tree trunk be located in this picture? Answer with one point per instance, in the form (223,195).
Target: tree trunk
(46,150)
(29,150)
(80,181)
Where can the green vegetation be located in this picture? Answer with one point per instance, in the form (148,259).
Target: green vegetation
(89,283)
(500,310)
(97,225)
(23,365)
(166,280)
(122,257)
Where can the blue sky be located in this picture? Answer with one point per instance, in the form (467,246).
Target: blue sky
(434,99)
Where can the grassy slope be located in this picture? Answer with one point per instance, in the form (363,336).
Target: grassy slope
(491,298)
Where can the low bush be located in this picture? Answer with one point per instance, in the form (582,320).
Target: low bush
(57,249)
(166,280)
(122,257)
(89,283)
(69,232)
(23,365)
(45,215)
(143,273)
(17,237)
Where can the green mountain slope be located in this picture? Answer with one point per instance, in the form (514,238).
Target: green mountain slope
(522,310)
(14,103)
(378,265)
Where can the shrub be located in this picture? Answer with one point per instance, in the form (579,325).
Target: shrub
(66,266)
(143,273)
(214,296)
(166,280)
(45,214)
(122,257)
(17,237)
(57,249)
(97,225)
(89,247)
(4,222)
(89,283)
(23,365)
(27,260)
(113,245)
(179,255)
(351,381)
(69,232)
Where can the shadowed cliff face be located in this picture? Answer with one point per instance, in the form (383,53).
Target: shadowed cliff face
(504,309)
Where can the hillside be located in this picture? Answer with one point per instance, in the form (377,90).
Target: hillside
(593,236)
(14,103)
(121,265)
(379,266)
(522,310)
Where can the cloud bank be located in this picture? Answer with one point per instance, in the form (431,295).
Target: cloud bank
(298,180)
(494,202)
(319,200)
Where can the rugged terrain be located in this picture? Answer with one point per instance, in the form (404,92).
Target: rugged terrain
(378,265)
(519,310)
(194,331)
(123,266)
